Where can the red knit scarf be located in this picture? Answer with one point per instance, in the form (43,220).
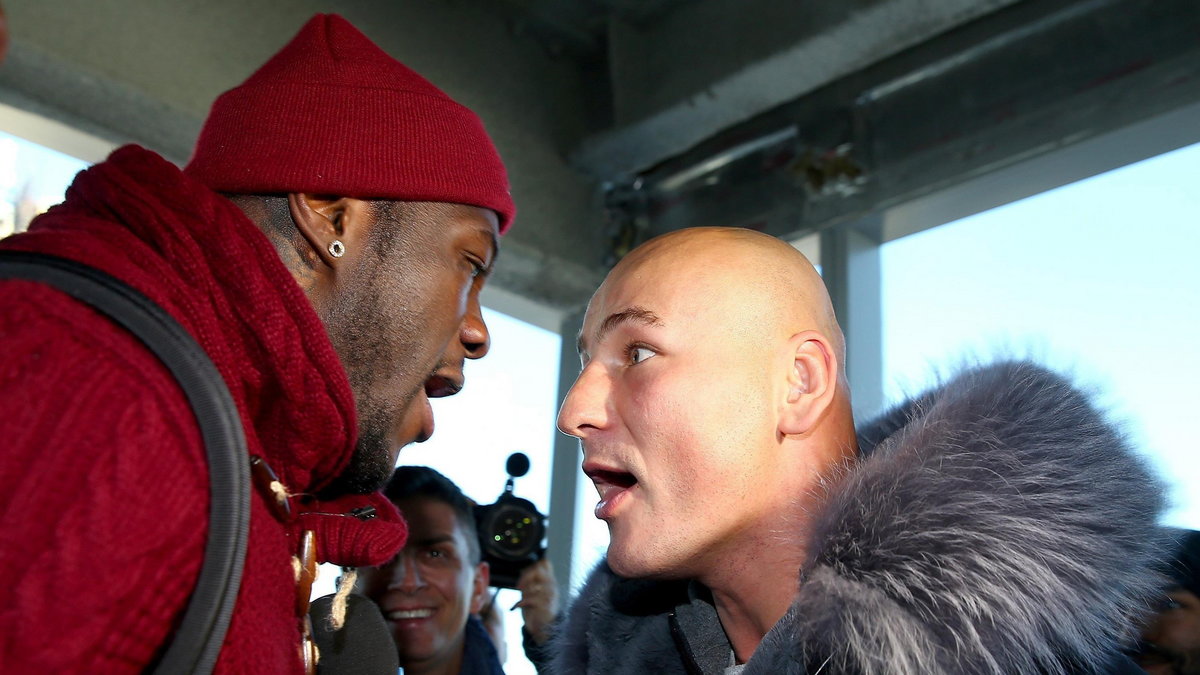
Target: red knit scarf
(137,217)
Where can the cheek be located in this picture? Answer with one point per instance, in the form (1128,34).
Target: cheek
(448,582)
(425,293)
(372,582)
(444,310)
(1182,630)
(696,411)
(654,413)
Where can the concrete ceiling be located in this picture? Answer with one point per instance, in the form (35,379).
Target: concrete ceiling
(622,118)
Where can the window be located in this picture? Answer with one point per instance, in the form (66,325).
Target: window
(508,405)
(32,179)
(1097,279)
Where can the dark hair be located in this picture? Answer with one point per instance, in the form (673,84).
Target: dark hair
(1183,568)
(421,481)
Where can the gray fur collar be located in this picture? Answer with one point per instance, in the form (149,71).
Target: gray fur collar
(996,524)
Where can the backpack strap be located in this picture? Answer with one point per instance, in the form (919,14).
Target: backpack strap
(197,642)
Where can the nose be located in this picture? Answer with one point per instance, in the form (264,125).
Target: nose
(474,332)
(406,575)
(585,409)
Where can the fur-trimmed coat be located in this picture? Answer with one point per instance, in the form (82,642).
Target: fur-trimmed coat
(995,524)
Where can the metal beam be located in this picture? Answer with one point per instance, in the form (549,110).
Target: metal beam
(986,96)
(711,65)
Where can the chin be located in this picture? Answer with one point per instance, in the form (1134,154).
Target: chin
(621,562)
(643,565)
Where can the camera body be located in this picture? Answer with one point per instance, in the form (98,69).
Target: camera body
(512,532)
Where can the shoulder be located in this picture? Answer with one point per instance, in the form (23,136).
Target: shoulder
(102,464)
(68,363)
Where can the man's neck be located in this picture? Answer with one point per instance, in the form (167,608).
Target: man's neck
(751,603)
(754,582)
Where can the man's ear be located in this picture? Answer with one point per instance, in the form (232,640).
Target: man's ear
(479,588)
(323,220)
(811,383)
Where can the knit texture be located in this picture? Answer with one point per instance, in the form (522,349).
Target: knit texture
(103,478)
(332,113)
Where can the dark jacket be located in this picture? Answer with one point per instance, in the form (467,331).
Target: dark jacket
(996,524)
(479,653)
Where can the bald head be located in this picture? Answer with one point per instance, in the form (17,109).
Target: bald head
(711,400)
(773,284)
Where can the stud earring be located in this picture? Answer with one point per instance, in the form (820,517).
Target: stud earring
(336,248)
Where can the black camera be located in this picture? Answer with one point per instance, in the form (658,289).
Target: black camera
(511,532)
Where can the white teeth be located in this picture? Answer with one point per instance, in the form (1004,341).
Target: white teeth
(410,614)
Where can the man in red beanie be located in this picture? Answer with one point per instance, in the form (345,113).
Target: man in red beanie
(326,247)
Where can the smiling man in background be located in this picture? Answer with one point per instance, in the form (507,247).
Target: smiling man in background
(429,593)
(326,246)
(996,524)
(433,593)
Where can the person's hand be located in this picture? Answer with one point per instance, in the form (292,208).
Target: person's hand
(539,599)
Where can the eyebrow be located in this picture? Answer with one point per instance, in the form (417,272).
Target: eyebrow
(495,247)
(495,241)
(434,540)
(633,314)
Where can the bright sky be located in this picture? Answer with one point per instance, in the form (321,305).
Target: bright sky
(1098,279)
(31,174)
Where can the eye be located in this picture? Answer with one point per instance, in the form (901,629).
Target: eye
(638,354)
(477,267)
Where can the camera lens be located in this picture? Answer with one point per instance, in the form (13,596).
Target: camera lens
(513,532)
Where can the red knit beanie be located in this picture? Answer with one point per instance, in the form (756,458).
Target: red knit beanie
(332,113)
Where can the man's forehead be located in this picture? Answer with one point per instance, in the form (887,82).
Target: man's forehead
(430,538)
(645,293)
(430,517)
(484,222)
(594,333)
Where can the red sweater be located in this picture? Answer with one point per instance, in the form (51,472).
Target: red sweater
(103,478)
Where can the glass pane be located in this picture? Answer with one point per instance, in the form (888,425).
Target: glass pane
(32,179)
(1097,279)
(508,405)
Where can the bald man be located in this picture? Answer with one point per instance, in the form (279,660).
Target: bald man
(995,524)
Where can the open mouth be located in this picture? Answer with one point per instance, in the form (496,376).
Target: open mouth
(617,479)
(441,386)
(613,485)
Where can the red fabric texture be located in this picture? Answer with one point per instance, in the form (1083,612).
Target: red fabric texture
(103,477)
(332,113)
